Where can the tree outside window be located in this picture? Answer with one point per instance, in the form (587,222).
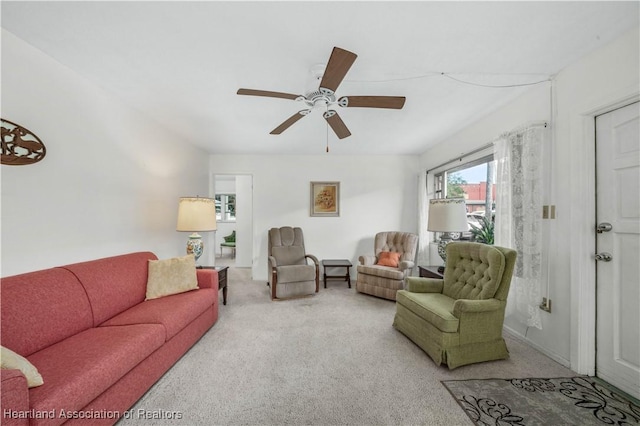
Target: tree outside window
(225,207)
(454,185)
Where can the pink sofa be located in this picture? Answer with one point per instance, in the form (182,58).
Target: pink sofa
(97,343)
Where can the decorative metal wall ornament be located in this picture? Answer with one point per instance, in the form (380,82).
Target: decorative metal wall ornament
(19,145)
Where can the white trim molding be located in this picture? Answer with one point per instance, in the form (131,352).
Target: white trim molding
(583,222)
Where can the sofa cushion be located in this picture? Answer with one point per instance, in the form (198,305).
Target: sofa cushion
(14,395)
(171,276)
(381,271)
(174,313)
(435,308)
(80,368)
(41,308)
(12,361)
(473,271)
(296,273)
(113,284)
(388,258)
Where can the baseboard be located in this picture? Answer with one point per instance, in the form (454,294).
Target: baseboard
(560,360)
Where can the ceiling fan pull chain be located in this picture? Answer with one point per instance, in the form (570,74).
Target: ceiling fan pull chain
(327,131)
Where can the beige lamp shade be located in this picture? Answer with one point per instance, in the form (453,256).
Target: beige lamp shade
(447,215)
(196,214)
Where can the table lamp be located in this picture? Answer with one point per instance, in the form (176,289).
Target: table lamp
(196,214)
(447,215)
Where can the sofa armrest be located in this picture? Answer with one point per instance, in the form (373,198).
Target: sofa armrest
(424,285)
(367,260)
(207,278)
(15,397)
(461,306)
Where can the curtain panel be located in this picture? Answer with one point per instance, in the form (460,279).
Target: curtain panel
(518,223)
(423,219)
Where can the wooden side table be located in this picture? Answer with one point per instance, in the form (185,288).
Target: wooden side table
(222,279)
(336,263)
(430,272)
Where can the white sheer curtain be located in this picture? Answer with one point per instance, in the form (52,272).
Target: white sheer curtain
(519,165)
(423,209)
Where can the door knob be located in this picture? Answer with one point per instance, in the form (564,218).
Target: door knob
(603,227)
(604,256)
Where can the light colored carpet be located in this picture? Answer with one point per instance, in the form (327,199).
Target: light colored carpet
(330,359)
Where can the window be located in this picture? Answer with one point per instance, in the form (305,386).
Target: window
(226,207)
(473,181)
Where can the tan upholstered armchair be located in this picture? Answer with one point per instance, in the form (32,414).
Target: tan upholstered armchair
(383,273)
(458,320)
(289,273)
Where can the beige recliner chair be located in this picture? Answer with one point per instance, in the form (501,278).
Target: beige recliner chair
(383,274)
(290,274)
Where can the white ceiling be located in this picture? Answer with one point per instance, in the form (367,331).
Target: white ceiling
(181,63)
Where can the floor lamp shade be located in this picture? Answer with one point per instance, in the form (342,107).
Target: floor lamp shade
(447,215)
(196,214)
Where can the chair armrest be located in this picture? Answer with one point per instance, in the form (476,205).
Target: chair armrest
(313,258)
(14,398)
(273,263)
(424,285)
(207,278)
(367,260)
(406,264)
(406,267)
(462,306)
(480,320)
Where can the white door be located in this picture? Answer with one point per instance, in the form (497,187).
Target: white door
(618,278)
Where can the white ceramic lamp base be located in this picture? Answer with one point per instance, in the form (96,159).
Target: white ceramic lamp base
(195,245)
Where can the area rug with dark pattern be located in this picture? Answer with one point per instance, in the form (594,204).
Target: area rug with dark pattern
(556,401)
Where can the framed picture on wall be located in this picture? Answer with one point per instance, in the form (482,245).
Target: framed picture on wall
(325,199)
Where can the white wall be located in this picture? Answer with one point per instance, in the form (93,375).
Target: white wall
(602,80)
(378,193)
(111,178)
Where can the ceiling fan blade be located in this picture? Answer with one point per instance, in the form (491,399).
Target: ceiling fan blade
(337,124)
(391,102)
(268,94)
(339,63)
(290,121)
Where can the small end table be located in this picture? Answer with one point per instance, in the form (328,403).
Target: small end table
(336,263)
(430,272)
(222,279)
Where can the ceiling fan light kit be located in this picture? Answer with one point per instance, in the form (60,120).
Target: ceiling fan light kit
(339,64)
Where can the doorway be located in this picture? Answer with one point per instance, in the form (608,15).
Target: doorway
(618,248)
(234,217)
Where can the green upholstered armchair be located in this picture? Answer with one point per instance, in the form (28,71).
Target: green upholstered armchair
(229,242)
(458,320)
(290,274)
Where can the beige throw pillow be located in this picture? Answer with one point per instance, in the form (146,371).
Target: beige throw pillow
(171,276)
(10,360)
